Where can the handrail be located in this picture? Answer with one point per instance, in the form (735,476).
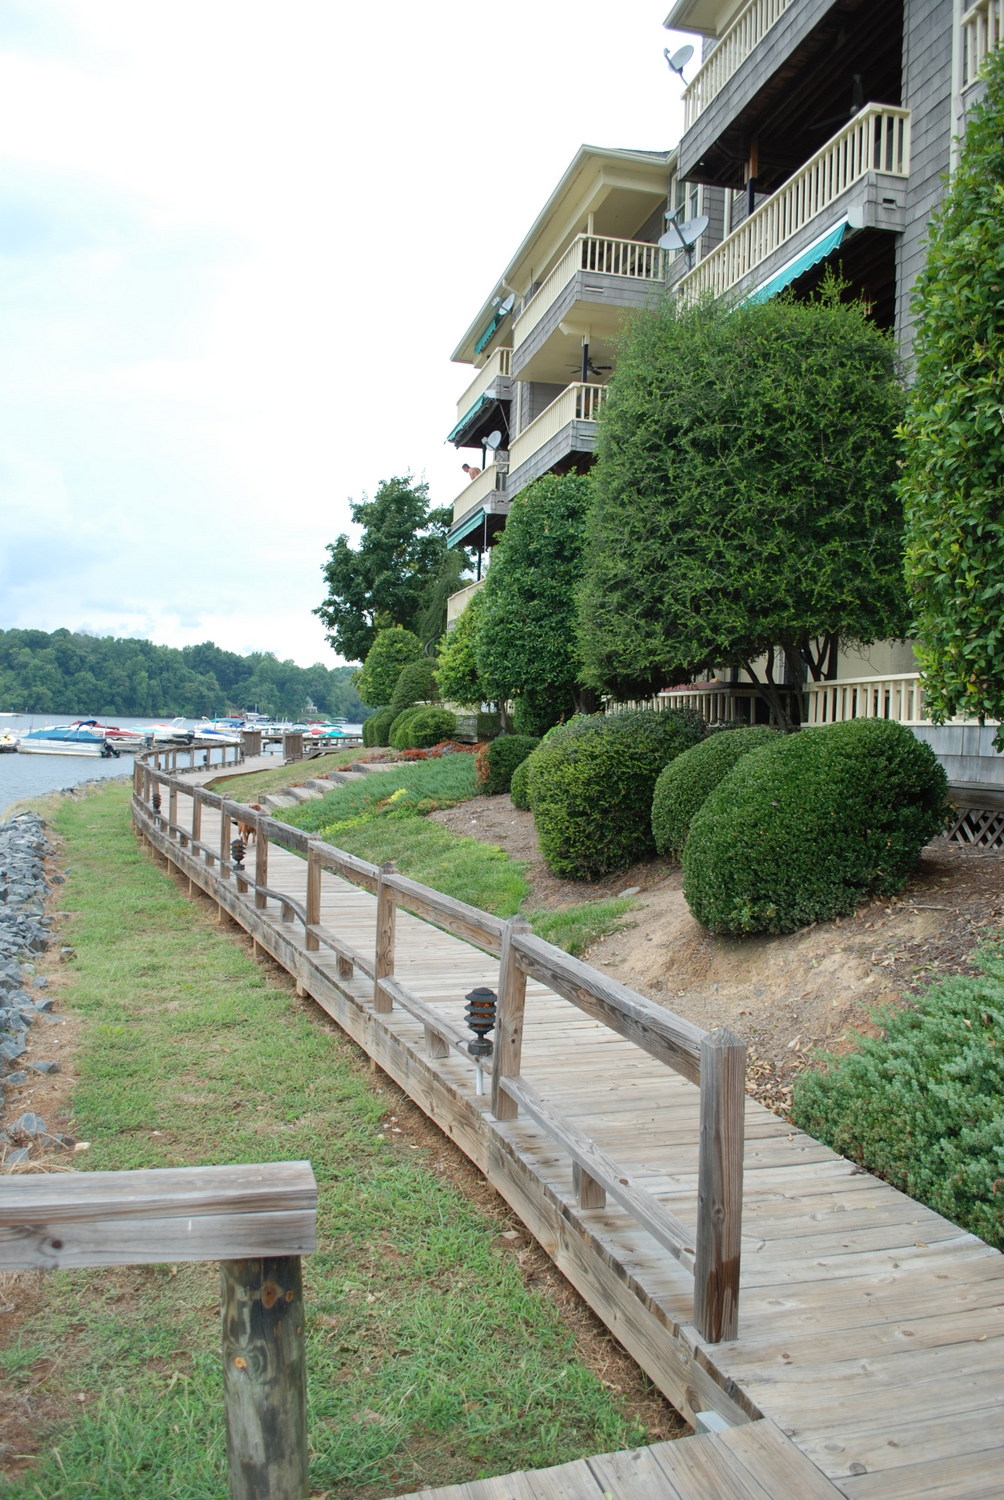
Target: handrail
(637,260)
(736,44)
(876,140)
(982,29)
(578,402)
(715,1062)
(498,364)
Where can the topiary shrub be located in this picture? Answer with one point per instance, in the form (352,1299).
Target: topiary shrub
(519,786)
(416,683)
(591,782)
(686,782)
(499,759)
(802,830)
(379,725)
(369,728)
(418,728)
(923,1105)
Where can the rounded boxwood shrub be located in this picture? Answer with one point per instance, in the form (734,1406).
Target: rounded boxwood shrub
(591,782)
(692,776)
(802,830)
(379,725)
(416,683)
(519,786)
(499,759)
(418,728)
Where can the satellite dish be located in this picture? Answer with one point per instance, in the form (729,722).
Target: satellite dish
(691,232)
(672,239)
(683,236)
(506,306)
(678,60)
(493,439)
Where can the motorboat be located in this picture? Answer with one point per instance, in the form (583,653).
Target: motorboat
(123,739)
(66,739)
(176,732)
(8,742)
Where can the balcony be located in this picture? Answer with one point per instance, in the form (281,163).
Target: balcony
(479,405)
(476,491)
(599,278)
(736,45)
(855,181)
(458,602)
(565,428)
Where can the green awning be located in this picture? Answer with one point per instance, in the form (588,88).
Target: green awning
(809,257)
(482,341)
(464,528)
(468,415)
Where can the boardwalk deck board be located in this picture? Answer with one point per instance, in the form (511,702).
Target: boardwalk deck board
(869,1360)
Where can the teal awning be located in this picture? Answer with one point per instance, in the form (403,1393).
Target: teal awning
(468,415)
(809,257)
(464,528)
(482,341)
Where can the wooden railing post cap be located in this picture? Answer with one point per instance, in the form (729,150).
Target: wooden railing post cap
(388,867)
(723,1039)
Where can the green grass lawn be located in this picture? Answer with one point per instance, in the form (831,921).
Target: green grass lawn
(430,1361)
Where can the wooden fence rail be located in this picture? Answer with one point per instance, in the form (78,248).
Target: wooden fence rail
(257,1221)
(715,1062)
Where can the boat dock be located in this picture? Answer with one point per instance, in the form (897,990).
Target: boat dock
(853,1342)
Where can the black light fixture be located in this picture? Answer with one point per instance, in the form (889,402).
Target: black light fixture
(237,853)
(155,802)
(480,1013)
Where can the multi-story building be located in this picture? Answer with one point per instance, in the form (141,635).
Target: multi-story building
(818,133)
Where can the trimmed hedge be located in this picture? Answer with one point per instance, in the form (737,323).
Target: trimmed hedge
(415,684)
(923,1106)
(591,782)
(500,758)
(519,786)
(418,728)
(803,830)
(379,725)
(688,780)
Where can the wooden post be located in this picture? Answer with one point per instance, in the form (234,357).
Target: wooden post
(720,1186)
(508,1022)
(265,1377)
(197,816)
(313,896)
(260,867)
(225,845)
(345,967)
(172,807)
(386,921)
(588,1192)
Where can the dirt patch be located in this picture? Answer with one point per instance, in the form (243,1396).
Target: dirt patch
(785,996)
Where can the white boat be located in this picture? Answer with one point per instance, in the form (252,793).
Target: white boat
(8,742)
(65,739)
(122,739)
(174,733)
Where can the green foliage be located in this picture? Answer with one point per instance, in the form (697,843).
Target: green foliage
(457,664)
(804,829)
(376,730)
(526,638)
(519,786)
(68,674)
(923,1105)
(393,576)
(418,728)
(744,493)
(686,782)
(953,472)
(575,928)
(416,683)
(500,758)
(591,783)
(391,650)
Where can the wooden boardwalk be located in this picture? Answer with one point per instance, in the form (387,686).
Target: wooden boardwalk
(869,1360)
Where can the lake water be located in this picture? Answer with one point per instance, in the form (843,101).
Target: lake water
(36,775)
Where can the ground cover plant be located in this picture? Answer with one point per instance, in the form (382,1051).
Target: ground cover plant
(803,830)
(429,1359)
(923,1104)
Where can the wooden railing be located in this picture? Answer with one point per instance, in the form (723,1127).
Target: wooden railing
(876,140)
(982,30)
(899,697)
(499,363)
(257,1221)
(637,260)
(715,1062)
(577,403)
(177,758)
(737,43)
(477,490)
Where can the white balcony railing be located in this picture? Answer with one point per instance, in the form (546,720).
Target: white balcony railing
(982,31)
(743,37)
(577,403)
(900,698)
(636,260)
(477,491)
(498,364)
(876,140)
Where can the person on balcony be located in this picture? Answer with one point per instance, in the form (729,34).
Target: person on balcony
(470,470)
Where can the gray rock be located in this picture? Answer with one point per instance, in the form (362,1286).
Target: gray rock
(28,1124)
(10,1048)
(44,1067)
(15,1157)
(16,1077)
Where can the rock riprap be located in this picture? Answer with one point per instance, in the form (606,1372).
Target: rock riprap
(24,932)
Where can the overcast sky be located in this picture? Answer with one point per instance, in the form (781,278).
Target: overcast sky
(238,241)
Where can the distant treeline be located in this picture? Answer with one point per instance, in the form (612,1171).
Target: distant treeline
(65,673)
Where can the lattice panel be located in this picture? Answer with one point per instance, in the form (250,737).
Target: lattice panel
(980,826)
